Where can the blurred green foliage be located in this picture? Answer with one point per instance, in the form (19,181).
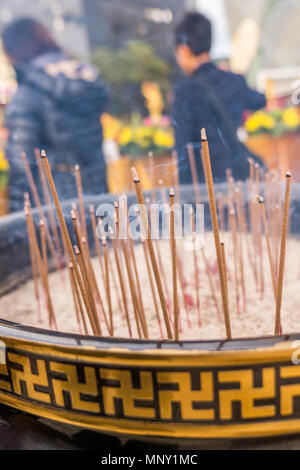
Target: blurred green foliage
(125,69)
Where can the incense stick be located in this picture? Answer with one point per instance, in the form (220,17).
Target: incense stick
(107,285)
(210,281)
(77,296)
(90,307)
(232,223)
(152,179)
(66,237)
(138,285)
(82,243)
(31,230)
(48,203)
(224,266)
(97,243)
(282,252)
(34,269)
(240,246)
(156,307)
(155,229)
(174,266)
(75,300)
(80,200)
(122,284)
(176,175)
(266,230)
(214,217)
(39,207)
(193,168)
(132,288)
(196,267)
(147,231)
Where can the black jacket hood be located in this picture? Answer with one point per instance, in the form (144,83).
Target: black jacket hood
(66,81)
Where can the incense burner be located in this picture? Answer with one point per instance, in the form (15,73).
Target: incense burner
(157,389)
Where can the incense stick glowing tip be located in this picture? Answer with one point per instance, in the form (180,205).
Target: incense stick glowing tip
(203,134)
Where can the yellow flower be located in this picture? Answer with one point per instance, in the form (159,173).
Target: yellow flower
(125,136)
(259,120)
(111,126)
(143,132)
(290,117)
(4,165)
(268,122)
(163,139)
(142,136)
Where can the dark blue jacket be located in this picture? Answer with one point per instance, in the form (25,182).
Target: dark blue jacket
(57,107)
(213,99)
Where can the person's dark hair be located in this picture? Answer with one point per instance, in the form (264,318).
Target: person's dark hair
(194,30)
(25,39)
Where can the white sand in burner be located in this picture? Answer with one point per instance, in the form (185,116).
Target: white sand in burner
(258,320)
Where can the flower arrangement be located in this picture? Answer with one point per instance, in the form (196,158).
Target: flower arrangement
(139,136)
(275,122)
(136,137)
(4,165)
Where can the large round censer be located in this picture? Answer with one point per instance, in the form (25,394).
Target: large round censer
(155,389)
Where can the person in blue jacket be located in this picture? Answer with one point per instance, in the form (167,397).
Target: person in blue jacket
(209,98)
(56,107)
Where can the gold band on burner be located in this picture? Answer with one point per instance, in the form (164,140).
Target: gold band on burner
(169,393)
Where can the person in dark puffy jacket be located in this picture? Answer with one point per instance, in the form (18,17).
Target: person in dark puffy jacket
(209,98)
(57,107)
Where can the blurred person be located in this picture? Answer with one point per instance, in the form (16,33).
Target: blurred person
(212,98)
(56,107)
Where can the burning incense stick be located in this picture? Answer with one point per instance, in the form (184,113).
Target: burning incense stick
(193,168)
(174,266)
(138,285)
(220,202)
(77,295)
(91,307)
(38,204)
(196,265)
(224,266)
(211,282)
(34,268)
(48,203)
(65,236)
(245,231)
(97,243)
(75,299)
(82,243)
(152,179)
(286,206)
(240,246)
(100,258)
(182,280)
(121,279)
(156,307)
(132,288)
(107,285)
(93,282)
(268,242)
(80,199)
(31,231)
(155,229)
(44,246)
(176,175)
(232,224)
(147,231)
(101,263)
(146,256)
(214,217)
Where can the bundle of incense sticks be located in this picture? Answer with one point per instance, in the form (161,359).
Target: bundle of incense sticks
(243,227)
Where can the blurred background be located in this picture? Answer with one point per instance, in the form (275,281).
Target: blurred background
(131,43)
